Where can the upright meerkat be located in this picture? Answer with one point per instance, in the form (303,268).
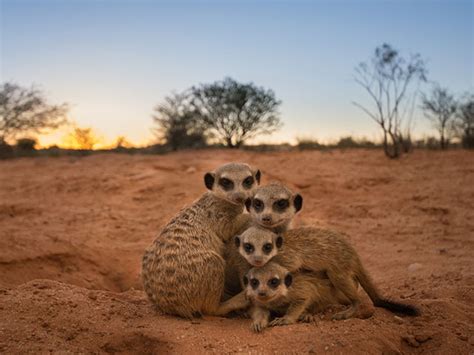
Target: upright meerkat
(294,297)
(183,270)
(319,251)
(273,207)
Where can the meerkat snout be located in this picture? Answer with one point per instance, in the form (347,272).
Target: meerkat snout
(233,183)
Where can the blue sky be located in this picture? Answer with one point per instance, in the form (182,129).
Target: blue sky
(113,61)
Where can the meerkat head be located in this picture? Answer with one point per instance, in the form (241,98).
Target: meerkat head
(234,182)
(267,283)
(258,245)
(274,206)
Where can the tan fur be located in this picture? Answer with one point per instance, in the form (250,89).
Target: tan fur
(183,269)
(269,217)
(321,251)
(306,295)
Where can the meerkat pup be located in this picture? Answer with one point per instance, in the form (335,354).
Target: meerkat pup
(183,270)
(294,297)
(272,207)
(318,251)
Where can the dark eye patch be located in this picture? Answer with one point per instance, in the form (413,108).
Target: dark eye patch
(258,205)
(267,248)
(226,184)
(281,205)
(249,248)
(274,282)
(248,182)
(254,283)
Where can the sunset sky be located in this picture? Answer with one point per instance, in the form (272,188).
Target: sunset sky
(113,61)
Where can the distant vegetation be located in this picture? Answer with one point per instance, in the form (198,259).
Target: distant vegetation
(228,113)
(389,78)
(225,112)
(26,111)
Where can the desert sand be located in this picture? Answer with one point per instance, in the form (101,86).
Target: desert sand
(72,232)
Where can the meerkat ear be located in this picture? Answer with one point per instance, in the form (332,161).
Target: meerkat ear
(298,202)
(257,176)
(209,180)
(237,241)
(288,280)
(248,204)
(279,241)
(246,280)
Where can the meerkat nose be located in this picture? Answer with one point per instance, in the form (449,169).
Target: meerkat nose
(239,197)
(267,218)
(262,293)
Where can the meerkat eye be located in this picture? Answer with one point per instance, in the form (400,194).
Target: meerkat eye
(274,283)
(226,184)
(248,248)
(267,248)
(258,205)
(254,283)
(248,182)
(281,205)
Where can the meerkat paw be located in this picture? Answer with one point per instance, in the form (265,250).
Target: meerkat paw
(259,326)
(308,318)
(281,321)
(348,313)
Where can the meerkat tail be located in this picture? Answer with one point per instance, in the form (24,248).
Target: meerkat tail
(379,301)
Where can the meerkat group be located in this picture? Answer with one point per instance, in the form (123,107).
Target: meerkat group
(212,258)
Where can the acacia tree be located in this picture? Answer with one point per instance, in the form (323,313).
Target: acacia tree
(440,108)
(465,121)
(25,110)
(178,123)
(235,112)
(388,79)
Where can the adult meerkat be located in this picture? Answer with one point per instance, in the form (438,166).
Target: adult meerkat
(294,297)
(183,270)
(273,207)
(319,251)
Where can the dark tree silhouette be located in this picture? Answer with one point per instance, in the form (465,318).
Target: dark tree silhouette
(440,108)
(26,110)
(387,78)
(464,123)
(178,123)
(235,112)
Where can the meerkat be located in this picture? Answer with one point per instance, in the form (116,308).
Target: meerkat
(272,207)
(183,270)
(316,250)
(293,297)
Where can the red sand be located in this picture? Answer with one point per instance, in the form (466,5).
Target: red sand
(72,232)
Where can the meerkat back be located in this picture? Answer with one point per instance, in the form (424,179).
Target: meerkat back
(183,269)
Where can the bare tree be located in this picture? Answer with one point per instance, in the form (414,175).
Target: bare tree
(464,123)
(388,78)
(235,112)
(440,108)
(26,110)
(178,123)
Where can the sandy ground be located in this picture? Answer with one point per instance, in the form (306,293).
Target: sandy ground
(72,232)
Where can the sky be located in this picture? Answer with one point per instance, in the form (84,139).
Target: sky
(114,61)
